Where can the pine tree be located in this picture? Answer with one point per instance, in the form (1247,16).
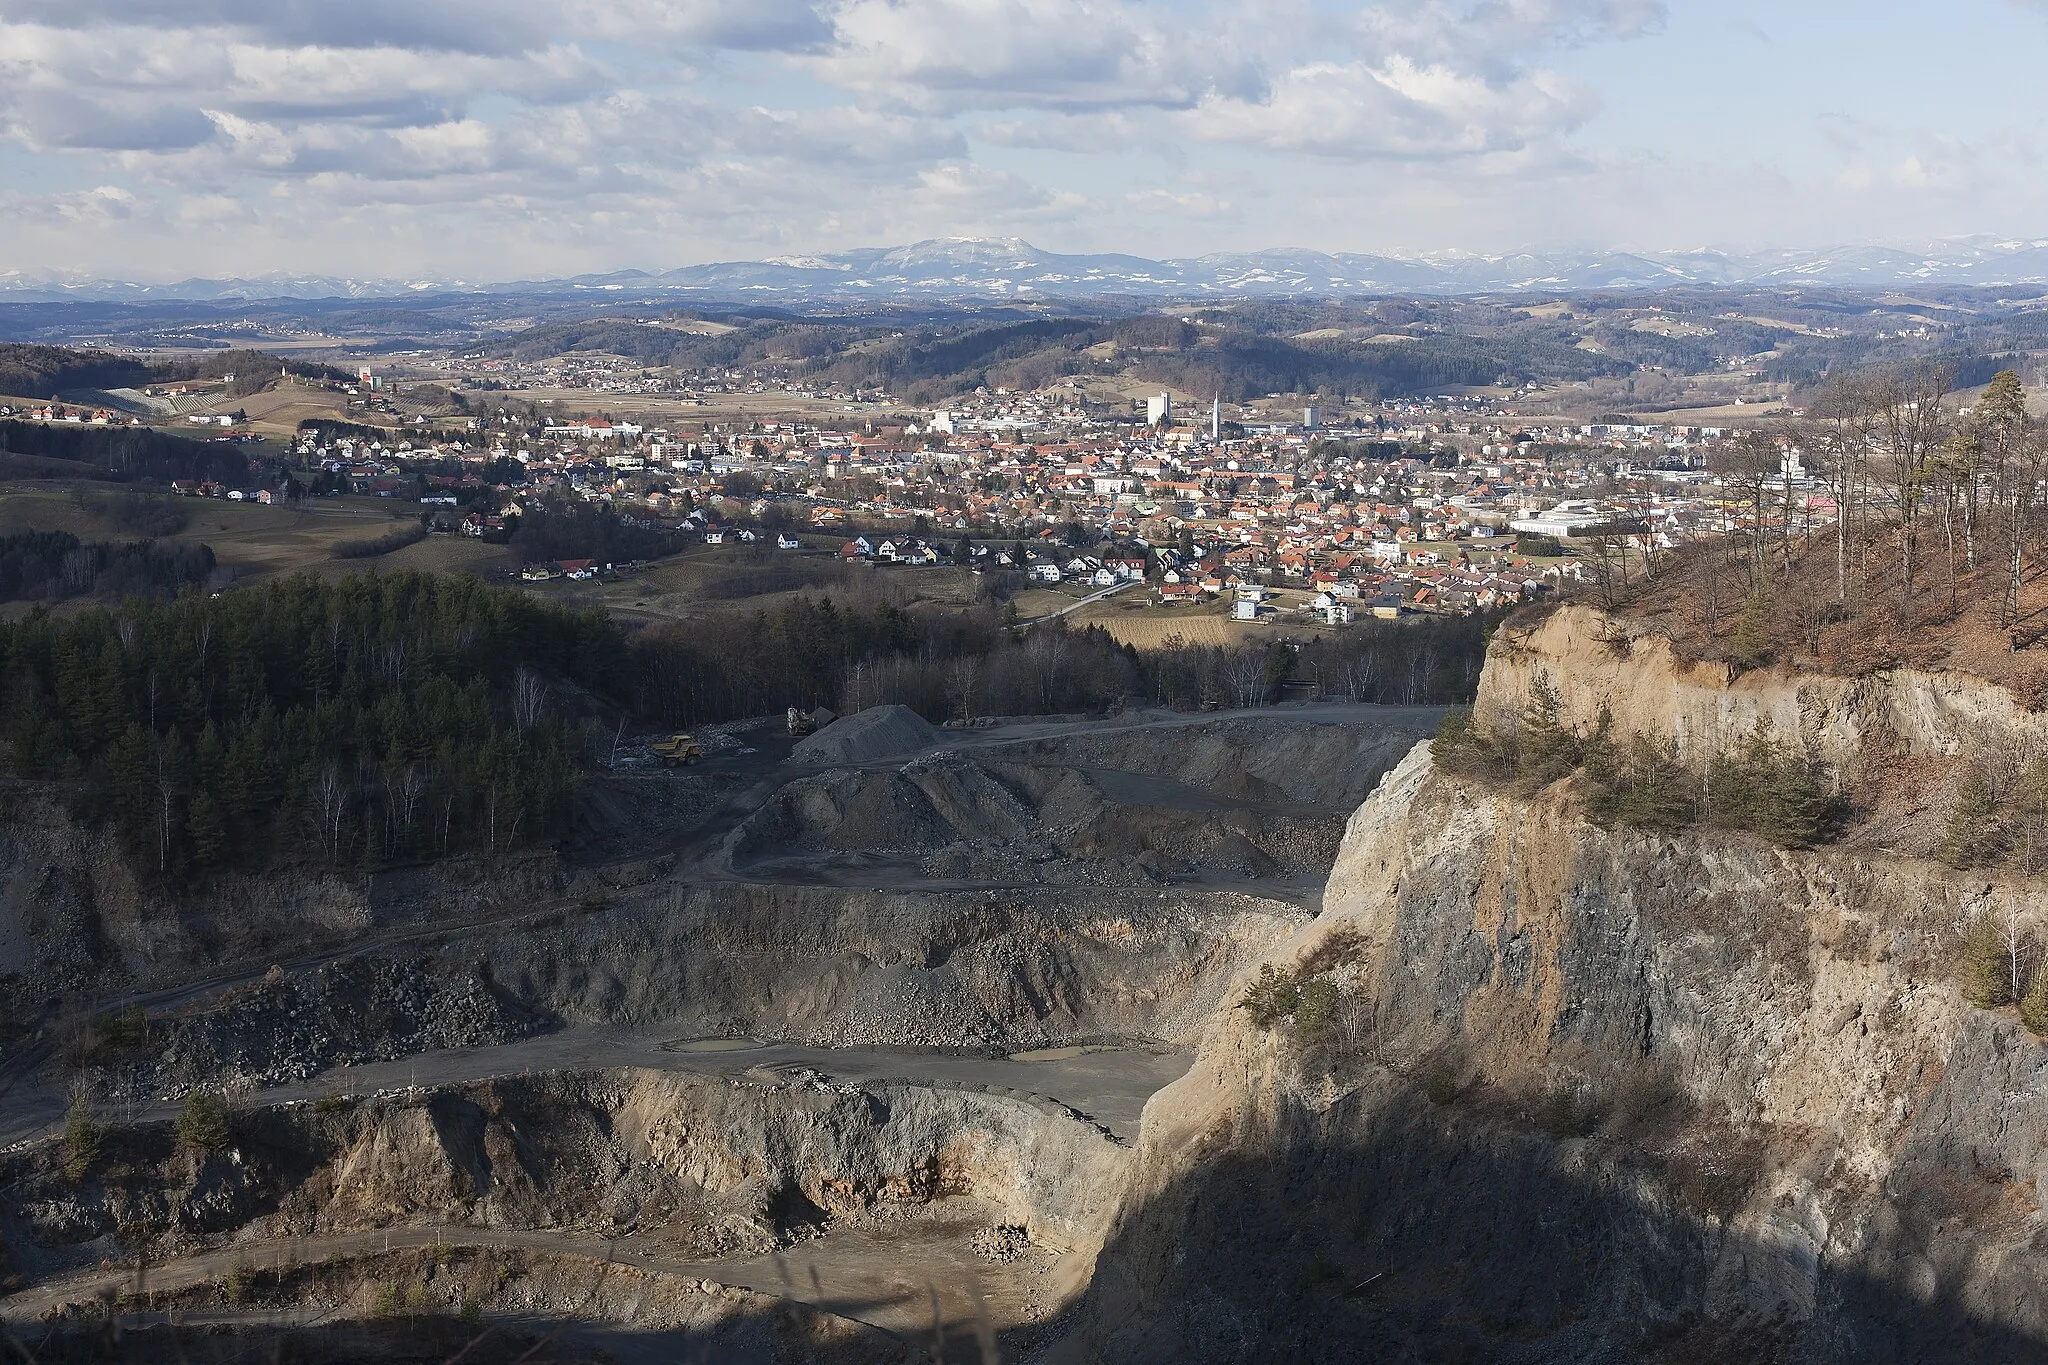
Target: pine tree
(1987,965)
(2034,1004)
(207,827)
(1750,645)
(1545,748)
(1973,828)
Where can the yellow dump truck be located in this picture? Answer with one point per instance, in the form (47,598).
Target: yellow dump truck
(677,750)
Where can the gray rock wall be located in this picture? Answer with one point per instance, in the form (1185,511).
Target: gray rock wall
(1598,1096)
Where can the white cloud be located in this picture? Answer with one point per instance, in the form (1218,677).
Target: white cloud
(1492,32)
(1396,109)
(96,207)
(487,26)
(1090,132)
(961,192)
(947,55)
(553,135)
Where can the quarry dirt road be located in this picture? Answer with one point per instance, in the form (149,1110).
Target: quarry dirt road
(888,1278)
(1107,1087)
(885,1276)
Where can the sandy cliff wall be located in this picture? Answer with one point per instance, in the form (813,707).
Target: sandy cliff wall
(1600,660)
(1601,1095)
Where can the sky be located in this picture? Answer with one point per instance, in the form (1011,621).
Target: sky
(505,139)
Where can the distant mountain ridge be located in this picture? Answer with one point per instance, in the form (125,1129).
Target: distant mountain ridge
(1010,268)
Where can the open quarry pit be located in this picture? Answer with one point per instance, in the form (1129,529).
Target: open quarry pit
(781,1061)
(1001,1035)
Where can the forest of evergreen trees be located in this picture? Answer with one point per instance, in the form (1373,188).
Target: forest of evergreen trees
(40,565)
(374,718)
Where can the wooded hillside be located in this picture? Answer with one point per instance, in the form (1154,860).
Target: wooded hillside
(373,718)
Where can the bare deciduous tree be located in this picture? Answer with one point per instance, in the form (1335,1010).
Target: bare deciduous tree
(1049,660)
(1910,423)
(330,806)
(403,790)
(529,698)
(1246,670)
(963,678)
(1747,465)
(1838,435)
(1362,673)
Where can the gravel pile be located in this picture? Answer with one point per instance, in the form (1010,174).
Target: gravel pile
(878,732)
(725,737)
(1001,1242)
(288,1028)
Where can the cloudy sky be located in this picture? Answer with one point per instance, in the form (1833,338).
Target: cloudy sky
(491,139)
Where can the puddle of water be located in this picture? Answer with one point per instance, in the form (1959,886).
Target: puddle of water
(711,1045)
(1060,1054)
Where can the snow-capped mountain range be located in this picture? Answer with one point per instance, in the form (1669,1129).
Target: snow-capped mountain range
(1008,268)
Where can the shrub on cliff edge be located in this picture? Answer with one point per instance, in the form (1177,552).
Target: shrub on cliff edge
(1988,963)
(2034,1005)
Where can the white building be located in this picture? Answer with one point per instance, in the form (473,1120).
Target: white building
(1567,519)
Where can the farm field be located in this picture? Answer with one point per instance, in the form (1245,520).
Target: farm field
(722,578)
(262,542)
(278,412)
(258,542)
(660,409)
(445,554)
(1035,602)
(1143,624)
(1152,632)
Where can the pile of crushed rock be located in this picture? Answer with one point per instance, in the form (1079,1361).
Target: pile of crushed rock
(290,1027)
(876,733)
(1001,1242)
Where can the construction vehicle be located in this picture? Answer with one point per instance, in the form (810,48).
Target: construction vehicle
(678,750)
(808,722)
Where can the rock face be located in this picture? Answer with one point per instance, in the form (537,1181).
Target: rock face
(1015,969)
(1593,1095)
(707,1165)
(75,920)
(1905,721)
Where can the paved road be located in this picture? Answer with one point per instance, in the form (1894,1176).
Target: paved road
(1420,718)
(1080,602)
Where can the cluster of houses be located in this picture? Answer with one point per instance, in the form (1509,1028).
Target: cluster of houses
(59,412)
(1448,504)
(209,488)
